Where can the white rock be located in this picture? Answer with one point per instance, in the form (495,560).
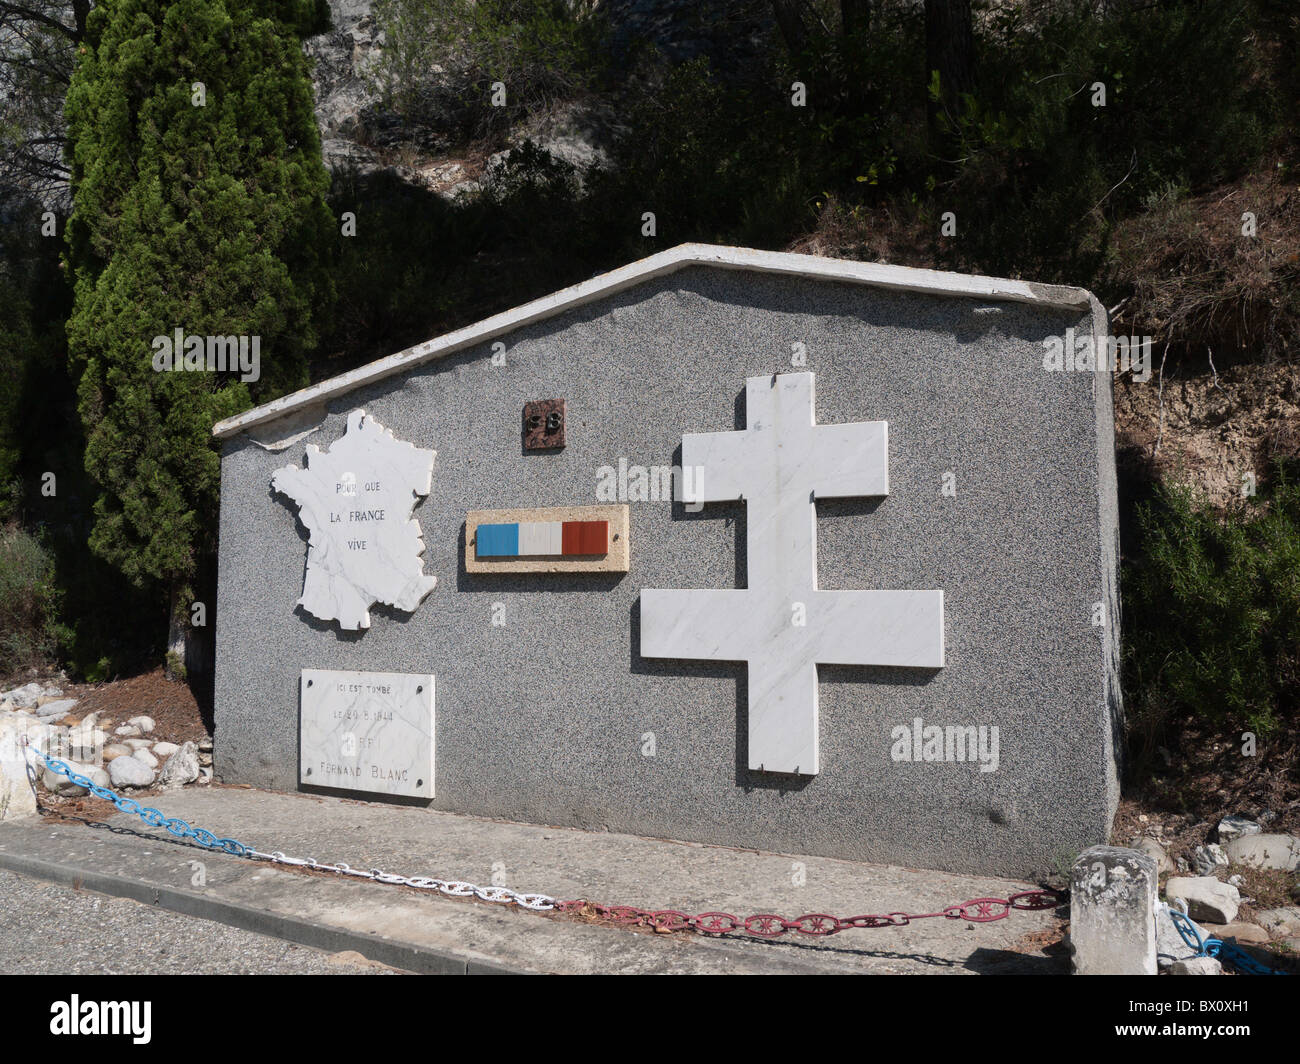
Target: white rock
(115,750)
(12,729)
(127,731)
(52,740)
(57,709)
(1197,966)
(1154,849)
(55,735)
(91,720)
(1241,932)
(16,797)
(1207,898)
(145,724)
(1266,851)
(138,744)
(1234,827)
(62,785)
(181,768)
(1207,858)
(1281,923)
(25,697)
(57,784)
(129,772)
(146,756)
(165,749)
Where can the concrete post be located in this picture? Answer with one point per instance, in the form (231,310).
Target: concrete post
(1113,894)
(16,798)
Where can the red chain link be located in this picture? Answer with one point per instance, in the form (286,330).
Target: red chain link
(770,925)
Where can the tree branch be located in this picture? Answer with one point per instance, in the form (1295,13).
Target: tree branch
(22,13)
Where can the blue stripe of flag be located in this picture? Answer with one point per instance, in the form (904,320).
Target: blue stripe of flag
(498,540)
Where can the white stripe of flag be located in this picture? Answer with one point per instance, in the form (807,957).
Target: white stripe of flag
(541,537)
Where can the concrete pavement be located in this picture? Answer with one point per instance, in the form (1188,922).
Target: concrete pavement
(419,931)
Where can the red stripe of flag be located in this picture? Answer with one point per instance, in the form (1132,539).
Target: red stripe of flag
(585,537)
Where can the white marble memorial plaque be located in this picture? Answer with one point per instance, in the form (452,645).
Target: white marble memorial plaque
(367,731)
(355,501)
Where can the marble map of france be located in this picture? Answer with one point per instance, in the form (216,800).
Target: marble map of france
(355,501)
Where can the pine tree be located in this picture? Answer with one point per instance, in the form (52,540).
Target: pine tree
(198,204)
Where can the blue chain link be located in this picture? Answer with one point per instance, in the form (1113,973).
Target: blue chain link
(153,817)
(1213,947)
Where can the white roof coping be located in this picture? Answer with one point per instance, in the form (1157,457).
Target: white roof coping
(878,275)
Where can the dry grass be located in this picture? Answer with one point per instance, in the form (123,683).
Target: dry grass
(1197,283)
(892,233)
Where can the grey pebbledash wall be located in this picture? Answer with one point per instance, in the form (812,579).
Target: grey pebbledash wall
(542,719)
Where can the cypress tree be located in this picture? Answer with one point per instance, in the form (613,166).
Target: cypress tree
(199,205)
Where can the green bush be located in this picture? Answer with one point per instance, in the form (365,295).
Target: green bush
(714,160)
(1047,171)
(442,57)
(1212,614)
(29,601)
(420,266)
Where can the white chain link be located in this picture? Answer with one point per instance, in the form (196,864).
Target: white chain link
(451,887)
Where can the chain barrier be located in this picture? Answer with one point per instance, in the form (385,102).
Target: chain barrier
(716,924)
(153,817)
(1238,958)
(772,925)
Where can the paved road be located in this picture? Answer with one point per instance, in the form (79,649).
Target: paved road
(47,929)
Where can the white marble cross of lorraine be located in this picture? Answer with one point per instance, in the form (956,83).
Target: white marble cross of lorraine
(778,465)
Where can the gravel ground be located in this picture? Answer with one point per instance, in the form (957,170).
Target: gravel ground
(47,929)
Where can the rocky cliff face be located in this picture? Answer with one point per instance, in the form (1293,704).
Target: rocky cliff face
(342,56)
(357,133)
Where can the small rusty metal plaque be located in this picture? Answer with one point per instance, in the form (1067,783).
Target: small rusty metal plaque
(544,425)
